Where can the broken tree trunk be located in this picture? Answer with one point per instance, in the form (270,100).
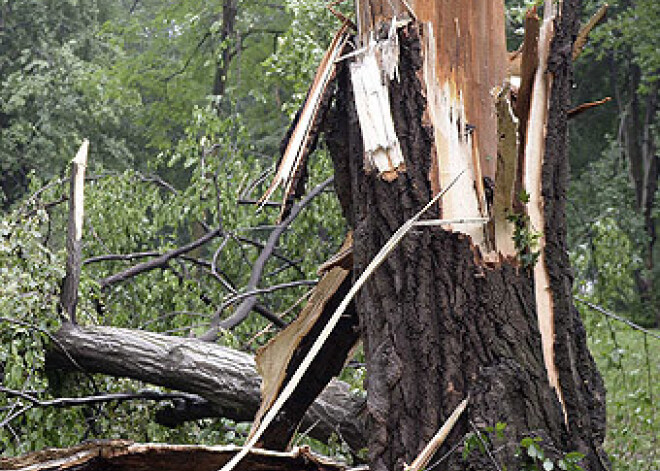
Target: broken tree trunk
(69,295)
(226,379)
(462,310)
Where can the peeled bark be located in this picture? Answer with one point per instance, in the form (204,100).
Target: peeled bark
(226,378)
(449,314)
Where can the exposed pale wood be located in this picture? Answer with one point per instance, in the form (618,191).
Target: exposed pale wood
(453,145)
(69,294)
(436,442)
(470,46)
(529,61)
(534,153)
(300,138)
(462,72)
(369,75)
(124,455)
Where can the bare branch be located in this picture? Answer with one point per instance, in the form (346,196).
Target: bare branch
(199,45)
(158,262)
(158,181)
(62,402)
(254,292)
(607,313)
(123,257)
(258,268)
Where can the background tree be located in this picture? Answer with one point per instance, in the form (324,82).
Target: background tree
(622,65)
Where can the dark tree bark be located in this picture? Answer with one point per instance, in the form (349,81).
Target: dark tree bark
(439,322)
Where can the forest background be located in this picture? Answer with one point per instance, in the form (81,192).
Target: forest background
(185,104)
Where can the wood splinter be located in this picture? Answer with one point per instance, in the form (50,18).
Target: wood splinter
(429,450)
(587,106)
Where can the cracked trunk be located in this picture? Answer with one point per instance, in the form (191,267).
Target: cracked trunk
(454,311)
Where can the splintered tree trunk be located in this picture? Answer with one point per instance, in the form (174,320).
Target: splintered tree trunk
(461,310)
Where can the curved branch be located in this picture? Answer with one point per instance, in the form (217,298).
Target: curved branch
(258,268)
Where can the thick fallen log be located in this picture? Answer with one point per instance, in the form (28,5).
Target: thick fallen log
(121,455)
(226,378)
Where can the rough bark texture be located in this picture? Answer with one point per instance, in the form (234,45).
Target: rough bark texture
(437,323)
(226,378)
(582,386)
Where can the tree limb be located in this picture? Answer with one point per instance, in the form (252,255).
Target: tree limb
(226,378)
(246,306)
(63,402)
(158,262)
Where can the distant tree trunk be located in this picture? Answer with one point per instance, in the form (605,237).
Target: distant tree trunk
(453,313)
(639,148)
(229,12)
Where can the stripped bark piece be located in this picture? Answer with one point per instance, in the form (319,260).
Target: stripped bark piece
(278,359)
(534,154)
(300,137)
(583,35)
(427,453)
(505,178)
(369,76)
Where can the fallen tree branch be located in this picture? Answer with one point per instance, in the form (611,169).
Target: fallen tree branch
(158,262)
(226,378)
(246,306)
(62,402)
